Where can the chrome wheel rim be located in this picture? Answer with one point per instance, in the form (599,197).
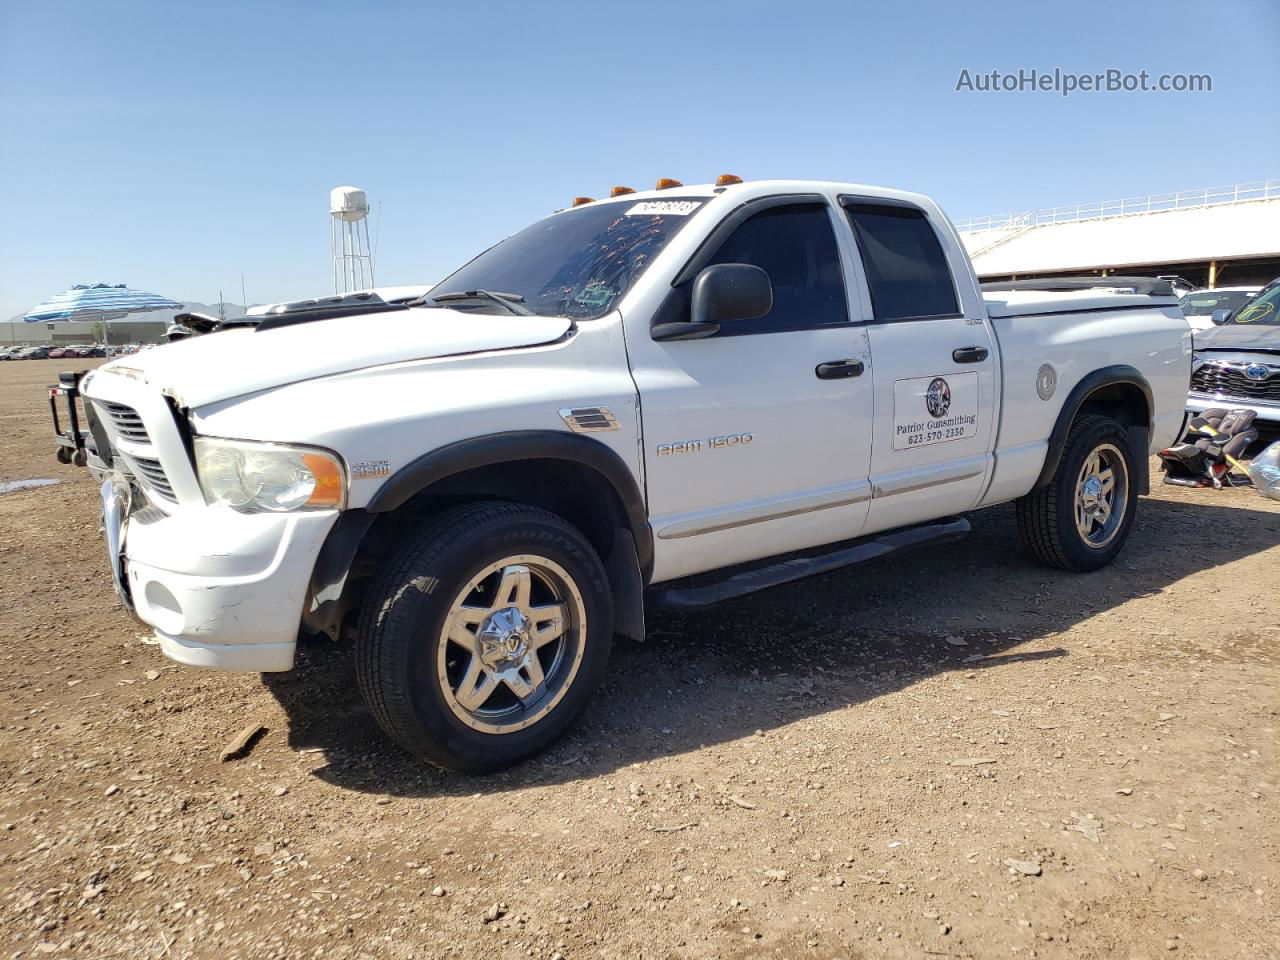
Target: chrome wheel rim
(511,644)
(1102,495)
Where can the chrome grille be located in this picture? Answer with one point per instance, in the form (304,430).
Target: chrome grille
(1231,383)
(126,421)
(153,477)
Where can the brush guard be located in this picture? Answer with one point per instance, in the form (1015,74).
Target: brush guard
(73,441)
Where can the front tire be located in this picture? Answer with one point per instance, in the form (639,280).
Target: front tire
(1081,519)
(485,636)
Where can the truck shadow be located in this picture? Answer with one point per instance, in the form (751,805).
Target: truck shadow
(794,652)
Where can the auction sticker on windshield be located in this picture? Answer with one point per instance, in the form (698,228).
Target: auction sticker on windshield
(668,208)
(928,410)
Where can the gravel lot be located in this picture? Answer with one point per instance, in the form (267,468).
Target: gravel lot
(954,753)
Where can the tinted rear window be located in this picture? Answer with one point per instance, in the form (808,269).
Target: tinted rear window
(906,269)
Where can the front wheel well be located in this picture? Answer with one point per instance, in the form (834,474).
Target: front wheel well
(574,491)
(570,490)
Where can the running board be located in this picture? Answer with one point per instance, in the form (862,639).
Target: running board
(674,597)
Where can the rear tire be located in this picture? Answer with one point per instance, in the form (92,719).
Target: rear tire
(486,634)
(1081,519)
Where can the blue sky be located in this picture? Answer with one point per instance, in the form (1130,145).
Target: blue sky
(175,146)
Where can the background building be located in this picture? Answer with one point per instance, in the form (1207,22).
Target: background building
(1221,236)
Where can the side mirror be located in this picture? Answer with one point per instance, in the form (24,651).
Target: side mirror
(1221,316)
(722,293)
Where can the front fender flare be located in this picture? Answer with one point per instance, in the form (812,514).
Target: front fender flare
(630,564)
(516,445)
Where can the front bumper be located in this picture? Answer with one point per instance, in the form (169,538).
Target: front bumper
(1267,414)
(221,589)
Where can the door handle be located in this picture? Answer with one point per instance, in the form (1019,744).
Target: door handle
(838,369)
(969,354)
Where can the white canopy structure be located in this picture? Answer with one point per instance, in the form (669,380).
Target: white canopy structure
(1204,230)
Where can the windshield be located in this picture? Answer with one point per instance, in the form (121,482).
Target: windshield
(1203,303)
(577,263)
(1262,309)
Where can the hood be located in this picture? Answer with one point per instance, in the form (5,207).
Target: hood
(233,363)
(1259,337)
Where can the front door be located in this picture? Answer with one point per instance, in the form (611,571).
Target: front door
(934,370)
(757,439)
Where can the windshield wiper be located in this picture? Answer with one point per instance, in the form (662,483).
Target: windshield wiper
(511,302)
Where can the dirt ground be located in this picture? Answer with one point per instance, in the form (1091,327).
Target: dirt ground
(950,754)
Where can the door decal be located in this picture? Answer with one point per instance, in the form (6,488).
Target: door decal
(928,410)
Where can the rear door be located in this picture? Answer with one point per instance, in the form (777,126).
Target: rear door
(933,365)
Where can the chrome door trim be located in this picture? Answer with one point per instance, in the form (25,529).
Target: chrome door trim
(917,478)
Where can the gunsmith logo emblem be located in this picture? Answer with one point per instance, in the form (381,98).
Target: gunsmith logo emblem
(938,398)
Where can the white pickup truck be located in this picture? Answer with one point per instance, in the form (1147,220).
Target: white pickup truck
(650,398)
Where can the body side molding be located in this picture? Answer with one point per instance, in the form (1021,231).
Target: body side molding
(845,494)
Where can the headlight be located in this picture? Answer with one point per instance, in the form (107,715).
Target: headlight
(271,477)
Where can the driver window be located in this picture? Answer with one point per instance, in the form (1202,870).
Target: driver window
(796,246)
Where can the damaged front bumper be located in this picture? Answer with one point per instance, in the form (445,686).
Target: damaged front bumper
(221,589)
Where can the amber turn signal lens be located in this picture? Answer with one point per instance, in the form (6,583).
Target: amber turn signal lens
(666,183)
(328,489)
(580,201)
(727,179)
(621,191)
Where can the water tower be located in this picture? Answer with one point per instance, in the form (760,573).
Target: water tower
(349,239)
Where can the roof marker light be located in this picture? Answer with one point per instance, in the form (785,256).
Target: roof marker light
(727,179)
(581,201)
(621,191)
(666,183)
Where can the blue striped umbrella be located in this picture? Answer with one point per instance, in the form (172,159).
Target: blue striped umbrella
(97,301)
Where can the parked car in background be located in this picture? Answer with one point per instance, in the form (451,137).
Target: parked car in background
(32,353)
(1180,285)
(1199,307)
(1237,361)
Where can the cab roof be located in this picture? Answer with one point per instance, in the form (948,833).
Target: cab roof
(750,189)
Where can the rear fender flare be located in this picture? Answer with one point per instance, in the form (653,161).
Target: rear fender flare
(1118,374)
